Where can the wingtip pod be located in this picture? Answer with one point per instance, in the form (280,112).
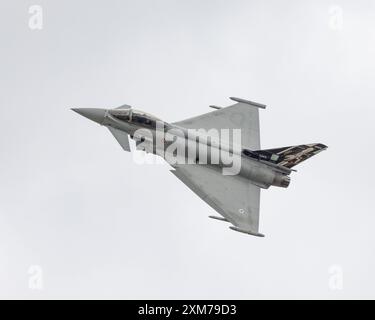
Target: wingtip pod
(256,234)
(252,103)
(219,218)
(215,107)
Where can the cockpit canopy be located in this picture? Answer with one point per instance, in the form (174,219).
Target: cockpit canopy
(135,116)
(121,114)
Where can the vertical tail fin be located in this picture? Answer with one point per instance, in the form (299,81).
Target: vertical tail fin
(291,156)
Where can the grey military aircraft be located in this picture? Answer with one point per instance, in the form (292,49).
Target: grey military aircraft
(234,194)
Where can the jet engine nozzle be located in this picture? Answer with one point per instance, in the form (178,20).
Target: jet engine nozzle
(281,180)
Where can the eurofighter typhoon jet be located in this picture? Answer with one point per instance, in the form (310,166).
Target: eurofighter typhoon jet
(217,155)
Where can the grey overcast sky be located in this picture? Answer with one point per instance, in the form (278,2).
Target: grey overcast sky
(80,219)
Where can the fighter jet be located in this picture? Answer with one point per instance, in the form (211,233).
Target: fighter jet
(235,193)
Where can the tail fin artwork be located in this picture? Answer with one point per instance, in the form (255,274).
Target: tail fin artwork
(291,156)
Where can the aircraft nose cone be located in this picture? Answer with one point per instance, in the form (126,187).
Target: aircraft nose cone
(93,114)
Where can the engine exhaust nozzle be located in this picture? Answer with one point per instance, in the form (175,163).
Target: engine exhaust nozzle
(281,180)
